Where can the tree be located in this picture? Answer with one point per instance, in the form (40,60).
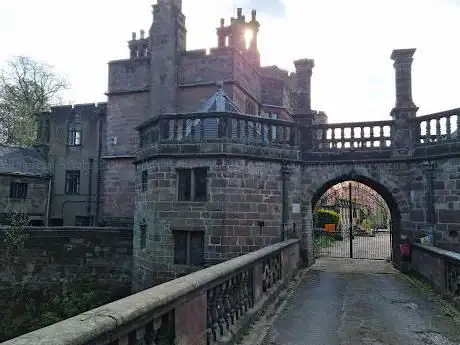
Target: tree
(27,87)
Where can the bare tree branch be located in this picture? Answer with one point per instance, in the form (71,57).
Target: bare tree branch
(27,87)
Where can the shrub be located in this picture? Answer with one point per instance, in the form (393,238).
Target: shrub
(323,217)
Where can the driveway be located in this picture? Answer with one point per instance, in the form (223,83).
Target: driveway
(361,302)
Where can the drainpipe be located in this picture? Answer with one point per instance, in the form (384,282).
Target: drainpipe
(90,185)
(98,171)
(48,202)
(285,200)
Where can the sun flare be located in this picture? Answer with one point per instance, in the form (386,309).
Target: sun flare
(248,35)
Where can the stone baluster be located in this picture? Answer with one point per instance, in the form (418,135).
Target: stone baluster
(213,314)
(382,136)
(240,294)
(235,298)
(428,132)
(226,304)
(245,282)
(438,129)
(220,309)
(449,127)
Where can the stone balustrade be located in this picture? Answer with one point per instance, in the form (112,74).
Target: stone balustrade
(212,127)
(209,306)
(352,136)
(438,127)
(233,133)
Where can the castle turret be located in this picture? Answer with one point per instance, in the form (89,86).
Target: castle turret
(167,42)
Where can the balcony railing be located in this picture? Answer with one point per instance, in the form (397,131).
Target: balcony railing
(352,136)
(215,127)
(203,307)
(438,128)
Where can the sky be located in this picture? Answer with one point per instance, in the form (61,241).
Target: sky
(351,42)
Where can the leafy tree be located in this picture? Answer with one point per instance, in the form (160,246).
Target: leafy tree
(27,87)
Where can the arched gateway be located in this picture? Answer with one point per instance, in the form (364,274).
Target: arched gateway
(383,184)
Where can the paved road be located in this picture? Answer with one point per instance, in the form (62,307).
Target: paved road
(378,247)
(361,302)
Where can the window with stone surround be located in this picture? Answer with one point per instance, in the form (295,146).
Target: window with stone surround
(18,190)
(144,180)
(74,132)
(192,184)
(188,247)
(72,182)
(143,230)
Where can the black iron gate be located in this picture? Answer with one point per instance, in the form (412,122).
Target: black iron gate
(355,236)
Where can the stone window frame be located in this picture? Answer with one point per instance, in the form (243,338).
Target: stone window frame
(18,190)
(144,180)
(193,256)
(74,132)
(143,232)
(191,174)
(72,182)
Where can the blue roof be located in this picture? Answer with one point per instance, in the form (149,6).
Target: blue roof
(220,102)
(22,161)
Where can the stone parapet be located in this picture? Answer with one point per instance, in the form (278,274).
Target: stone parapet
(206,307)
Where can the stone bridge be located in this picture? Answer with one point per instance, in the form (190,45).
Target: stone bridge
(334,303)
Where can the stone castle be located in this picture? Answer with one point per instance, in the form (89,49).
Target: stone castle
(208,156)
(90,148)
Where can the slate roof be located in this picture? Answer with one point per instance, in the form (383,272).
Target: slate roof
(22,161)
(219,102)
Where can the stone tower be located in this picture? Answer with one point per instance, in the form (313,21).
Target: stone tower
(167,42)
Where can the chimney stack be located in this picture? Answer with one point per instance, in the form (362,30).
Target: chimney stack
(304,70)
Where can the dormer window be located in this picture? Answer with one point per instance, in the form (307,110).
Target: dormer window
(74,133)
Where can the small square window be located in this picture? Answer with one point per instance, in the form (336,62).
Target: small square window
(192,184)
(18,190)
(188,247)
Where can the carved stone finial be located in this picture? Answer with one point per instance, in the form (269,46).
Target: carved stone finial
(220,85)
(133,35)
(254,14)
(142,34)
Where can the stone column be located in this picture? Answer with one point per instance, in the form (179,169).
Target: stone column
(403,74)
(403,133)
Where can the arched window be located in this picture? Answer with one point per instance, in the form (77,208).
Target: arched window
(74,133)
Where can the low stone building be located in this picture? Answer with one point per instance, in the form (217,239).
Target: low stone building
(24,186)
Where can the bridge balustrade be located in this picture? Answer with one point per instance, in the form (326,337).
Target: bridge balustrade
(438,127)
(209,306)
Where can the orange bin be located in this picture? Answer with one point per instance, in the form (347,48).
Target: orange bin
(329,227)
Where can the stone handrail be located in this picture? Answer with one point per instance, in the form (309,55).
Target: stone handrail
(437,127)
(352,136)
(218,126)
(206,306)
(440,266)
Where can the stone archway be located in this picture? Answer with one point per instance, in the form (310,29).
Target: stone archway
(388,186)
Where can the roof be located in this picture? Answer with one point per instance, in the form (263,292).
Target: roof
(22,161)
(212,127)
(219,102)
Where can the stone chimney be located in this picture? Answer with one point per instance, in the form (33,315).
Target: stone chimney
(304,69)
(403,80)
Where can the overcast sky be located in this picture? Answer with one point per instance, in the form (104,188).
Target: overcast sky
(351,42)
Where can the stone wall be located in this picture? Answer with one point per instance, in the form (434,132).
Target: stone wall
(118,191)
(444,218)
(64,254)
(242,195)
